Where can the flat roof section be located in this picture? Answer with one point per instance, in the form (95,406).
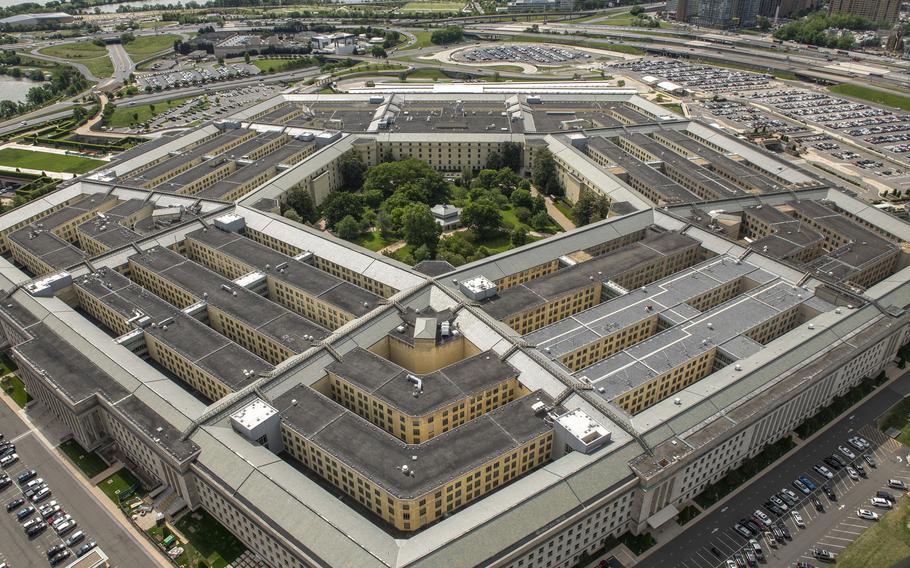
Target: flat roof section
(186,155)
(655,180)
(66,367)
(390,382)
(269,318)
(154,426)
(320,284)
(48,247)
(379,456)
(524,296)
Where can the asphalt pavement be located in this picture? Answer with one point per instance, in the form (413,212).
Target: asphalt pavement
(691,546)
(98,523)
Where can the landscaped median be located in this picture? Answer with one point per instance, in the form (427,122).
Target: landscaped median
(200,540)
(88,462)
(884,543)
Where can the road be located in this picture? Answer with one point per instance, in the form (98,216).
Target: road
(704,528)
(98,523)
(123,65)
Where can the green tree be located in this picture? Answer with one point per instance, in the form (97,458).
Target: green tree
(246,57)
(519,237)
(378,51)
(540,221)
(293,216)
(447,35)
(127,38)
(590,207)
(389,176)
(298,199)
(511,153)
(544,174)
(483,217)
(348,228)
(351,168)
(764,24)
(340,204)
(419,228)
(522,198)
(637,10)
(78,114)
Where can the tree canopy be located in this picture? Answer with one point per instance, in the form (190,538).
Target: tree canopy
(447,35)
(544,174)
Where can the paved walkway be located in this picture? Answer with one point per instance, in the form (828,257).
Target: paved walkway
(555,213)
(113,512)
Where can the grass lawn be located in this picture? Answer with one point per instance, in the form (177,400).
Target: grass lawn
(564,208)
(7,365)
(423,40)
(427,73)
(675,107)
(208,541)
(883,544)
(687,514)
(148,45)
(16,390)
(371,240)
(126,117)
(154,24)
(46,161)
(118,484)
(270,65)
(90,463)
(872,95)
(87,53)
(432,7)
(899,417)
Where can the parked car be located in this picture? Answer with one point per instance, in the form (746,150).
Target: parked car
(823,471)
(790,501)
(783,529)
(881,503)
(741,529)
(825,555)
(5,482)
(86,548)
(897,484)
(779,502)
(808,482)
(55,549)
(802,487)
(41,495)
(798,519)
(852,473)
(75,538)
(65,527)
(36,529)
(829,492)
(886,495)
(816,502)
(18,501)
(9,460)
(870,460)
(860,469)
(832,463)
(26,475)
(24,513)
(846,451)
(856,444)
(867,514)
(50,513)
(759,553)
(60,557)
(753,527)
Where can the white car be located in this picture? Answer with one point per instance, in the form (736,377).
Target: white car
(867,514)
(822,470)
(798,519)
(9,460)
(852,473)
(881,503)
(846,451)
(761,516)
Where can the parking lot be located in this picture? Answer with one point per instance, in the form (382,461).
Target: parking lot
(831,528)
(174,78)
(696,77)
(745,117)
(37,518)
(537,54)
(207,107)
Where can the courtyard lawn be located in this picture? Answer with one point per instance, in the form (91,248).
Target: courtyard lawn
(209,540)
(899,417)
(94,57)
(372,240)
(13,386)
(90,463)
(47,162)
(270,65)
(118,485)
(872,95)
(147,45)
(883,544)
(126,117)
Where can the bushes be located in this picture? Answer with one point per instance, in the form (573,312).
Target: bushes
(447,35)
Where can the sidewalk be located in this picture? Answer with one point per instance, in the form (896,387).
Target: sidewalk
(112,510)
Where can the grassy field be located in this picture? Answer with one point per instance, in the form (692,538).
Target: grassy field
(46,161)
(148,45)
(675,107)
(371,240)
(432,7)
(270,65)
(118,483)
(427,73)
(89,462)
(883,544)
(94,57)
(126,117)
(624,19)
(872,95)
(16,390)
(423,40)
(899,418)
(207,541)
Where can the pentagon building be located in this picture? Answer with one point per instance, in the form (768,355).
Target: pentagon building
(332,407)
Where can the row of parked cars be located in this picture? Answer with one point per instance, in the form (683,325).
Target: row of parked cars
(784,502)
(37,513)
